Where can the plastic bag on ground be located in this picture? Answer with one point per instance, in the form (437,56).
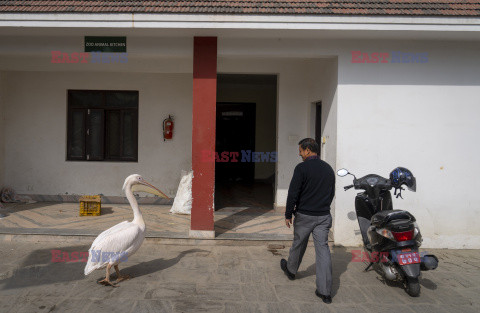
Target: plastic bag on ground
(8,195)
(182,204)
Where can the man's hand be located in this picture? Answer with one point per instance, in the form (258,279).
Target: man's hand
(288,222)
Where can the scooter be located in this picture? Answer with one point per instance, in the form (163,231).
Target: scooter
(391,236)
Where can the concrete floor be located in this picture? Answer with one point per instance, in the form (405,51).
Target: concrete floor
(54,218)
(256,195)
(221,276)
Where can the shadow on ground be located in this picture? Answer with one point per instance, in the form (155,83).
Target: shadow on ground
(38,269)
(256,194)
(149,267)
(236,219)
(22,206)
(340,259)
(107,210)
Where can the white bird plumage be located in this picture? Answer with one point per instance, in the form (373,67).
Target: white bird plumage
(121,241)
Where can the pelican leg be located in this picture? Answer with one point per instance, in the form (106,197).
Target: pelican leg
(119,276)
(107,281)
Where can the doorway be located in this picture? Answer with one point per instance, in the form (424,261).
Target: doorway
(245,140)
(318,125)
(235,141)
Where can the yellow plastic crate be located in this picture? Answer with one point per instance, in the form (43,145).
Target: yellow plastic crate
(90,205)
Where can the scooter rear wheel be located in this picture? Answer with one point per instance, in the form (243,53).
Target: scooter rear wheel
(412,287)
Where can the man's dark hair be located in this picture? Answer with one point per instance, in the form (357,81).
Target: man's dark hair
(311,144)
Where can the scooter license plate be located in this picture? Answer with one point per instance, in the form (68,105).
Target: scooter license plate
(408,258)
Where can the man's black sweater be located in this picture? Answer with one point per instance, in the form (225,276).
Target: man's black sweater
(312,188)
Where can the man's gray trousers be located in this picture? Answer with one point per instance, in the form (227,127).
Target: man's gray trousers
(319,226)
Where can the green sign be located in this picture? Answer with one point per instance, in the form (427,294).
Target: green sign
(105,44)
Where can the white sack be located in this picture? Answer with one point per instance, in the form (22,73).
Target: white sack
(182,204)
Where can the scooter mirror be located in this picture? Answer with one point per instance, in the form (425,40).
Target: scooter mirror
(342,172)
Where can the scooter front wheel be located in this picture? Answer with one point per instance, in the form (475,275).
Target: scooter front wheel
(412,286)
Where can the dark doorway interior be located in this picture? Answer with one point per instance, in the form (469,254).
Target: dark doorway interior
(242,128)
(235,137)
(318,124)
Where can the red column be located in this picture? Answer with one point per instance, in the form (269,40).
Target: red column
(203,136)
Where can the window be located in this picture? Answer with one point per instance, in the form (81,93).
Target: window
(102,125)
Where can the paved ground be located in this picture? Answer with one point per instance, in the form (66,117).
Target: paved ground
(63,219)
(222,276)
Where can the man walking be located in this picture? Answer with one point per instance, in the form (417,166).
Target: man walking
(310,194)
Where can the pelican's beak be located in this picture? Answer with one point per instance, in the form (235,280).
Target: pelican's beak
(146,187)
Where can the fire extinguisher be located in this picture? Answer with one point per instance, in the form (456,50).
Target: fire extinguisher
(167,128)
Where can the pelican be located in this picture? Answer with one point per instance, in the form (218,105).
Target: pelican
(122,240)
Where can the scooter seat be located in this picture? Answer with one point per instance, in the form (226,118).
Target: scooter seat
(381,218)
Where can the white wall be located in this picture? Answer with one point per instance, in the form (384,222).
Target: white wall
(323,76)
(145,54)
(425,117)
(35,133)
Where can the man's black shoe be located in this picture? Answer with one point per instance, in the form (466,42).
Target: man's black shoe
(326,299)
(283,265)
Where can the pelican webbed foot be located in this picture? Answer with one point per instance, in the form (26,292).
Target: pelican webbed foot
(106,281)
(121,277)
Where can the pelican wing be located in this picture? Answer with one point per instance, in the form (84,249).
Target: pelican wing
(120,239)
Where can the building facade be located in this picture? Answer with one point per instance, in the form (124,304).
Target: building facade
(379,90)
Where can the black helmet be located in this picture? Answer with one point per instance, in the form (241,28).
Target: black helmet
(402,176)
